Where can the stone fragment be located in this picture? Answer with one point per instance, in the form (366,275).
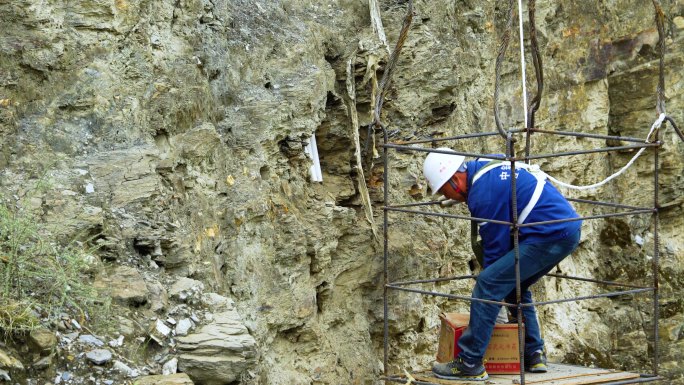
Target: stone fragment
(99,356)
(173,379)
(4,376)
(75,324)
(69,337)
(180,255)
(217,302)
(43,363)
(159,332)
(90,340)
(125,284)
(117,342)
(127,327)
(9,362)
(184,326)
(639,240)
(170,367)
(42,341)
(199,142)
(159,298)
(678,22)
(93,263)
(195,318)
(219,352)
(185,288)
(124,369)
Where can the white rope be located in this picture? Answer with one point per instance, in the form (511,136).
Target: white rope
(655,126)
(522,60)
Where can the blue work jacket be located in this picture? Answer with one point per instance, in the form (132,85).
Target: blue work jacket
(490,198)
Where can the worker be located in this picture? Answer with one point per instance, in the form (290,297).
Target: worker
(485,186)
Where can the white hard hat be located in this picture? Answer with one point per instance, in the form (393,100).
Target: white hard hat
(439,168)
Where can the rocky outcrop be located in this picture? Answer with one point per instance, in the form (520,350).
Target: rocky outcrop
(172,379)
(42,341)
(219,352)
(125,285)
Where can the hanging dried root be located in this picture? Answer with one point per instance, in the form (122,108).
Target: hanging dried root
(376,22)
(361,178)
(391,64)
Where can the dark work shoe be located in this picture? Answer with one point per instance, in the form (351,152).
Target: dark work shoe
(536,363)
(459,370)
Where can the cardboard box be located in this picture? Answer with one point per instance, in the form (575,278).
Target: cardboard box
(502,355)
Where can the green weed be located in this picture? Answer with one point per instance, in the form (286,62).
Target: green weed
(41,279)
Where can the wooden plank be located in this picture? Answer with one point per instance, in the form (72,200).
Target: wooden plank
(557,378)
(557,375)
(425,377)
(595,379)
(536,381)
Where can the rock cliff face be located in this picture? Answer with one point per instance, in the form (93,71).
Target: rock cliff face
(171,135)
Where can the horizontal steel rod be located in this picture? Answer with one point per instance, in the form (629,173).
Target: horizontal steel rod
(457,137)
(609,204)
(521,131)
(583,135)
(563,276)
(642,379)
(421,149)
(450,296)
(611,283)
(582,298)
(580,152)
(588,201)
(434,280)
(430,203)
(626,213)
(392,208)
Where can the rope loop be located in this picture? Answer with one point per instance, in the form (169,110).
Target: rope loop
(654,127)
(677,130)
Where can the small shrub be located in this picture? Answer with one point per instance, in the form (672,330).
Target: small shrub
(40,279)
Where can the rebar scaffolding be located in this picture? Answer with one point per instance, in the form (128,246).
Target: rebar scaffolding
(620,210)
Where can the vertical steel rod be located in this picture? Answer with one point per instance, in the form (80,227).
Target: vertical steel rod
(385,253)
(660,109)
(656,257)
(528,144)
(515,230)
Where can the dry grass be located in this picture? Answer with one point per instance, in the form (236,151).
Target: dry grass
(41,279)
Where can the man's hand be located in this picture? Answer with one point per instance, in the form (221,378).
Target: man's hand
(446,202)
(476,244)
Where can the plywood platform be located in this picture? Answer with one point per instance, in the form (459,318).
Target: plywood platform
(557,375)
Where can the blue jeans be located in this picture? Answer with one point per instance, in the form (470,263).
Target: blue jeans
(497,283)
